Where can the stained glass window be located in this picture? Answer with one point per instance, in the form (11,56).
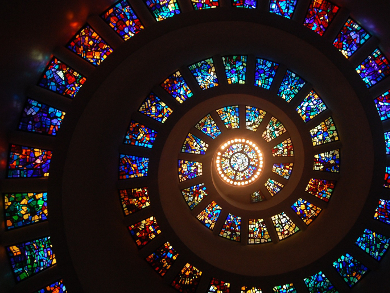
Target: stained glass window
(209,215)
(265,73)
(288,288)
(290,86)
(324,132)
(382,104)
(31,257)
(56,287)
(321,188)
(245,289)
(250,4)
(387,142)
(26,161)
(122,19)
(319,15)
(24,208)
(283,7)
(257,232)
(235,68)
(204,73)
(218,286)
(327,161)
(204,4)
(374,68)
(194,145)
(351,37)
(257,196)
(283,149)
(319,283)
(162,9)
(155,108)
(140,135)
(382,212)
(232,228)
(134,199)
(145,231)
(208,126)
(60,78)
(90,46)
(350,269)
(283,169)
(273,186)
(230,116)
(132,166)
(177,87)
(284,226)
(189,170)
(311,106)
(194,195)
(162,259)
(387,178)
(307,211)
(41,118)
(253,117)
(273,129)
(373,243)
(188,279)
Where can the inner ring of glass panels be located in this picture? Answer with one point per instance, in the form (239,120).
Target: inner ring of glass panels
(239,162)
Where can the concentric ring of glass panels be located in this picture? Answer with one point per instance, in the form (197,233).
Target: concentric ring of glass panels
(239,162)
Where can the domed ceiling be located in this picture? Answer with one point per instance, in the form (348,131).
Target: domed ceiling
(231,146)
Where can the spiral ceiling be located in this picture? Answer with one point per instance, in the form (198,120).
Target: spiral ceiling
(198,146)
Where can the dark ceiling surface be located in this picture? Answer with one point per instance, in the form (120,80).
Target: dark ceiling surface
(31,30)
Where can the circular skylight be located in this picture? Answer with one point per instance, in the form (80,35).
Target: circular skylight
(239,162)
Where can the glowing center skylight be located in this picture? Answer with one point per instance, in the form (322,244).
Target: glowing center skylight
(239,162)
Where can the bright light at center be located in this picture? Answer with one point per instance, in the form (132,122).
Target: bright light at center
(239,162)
